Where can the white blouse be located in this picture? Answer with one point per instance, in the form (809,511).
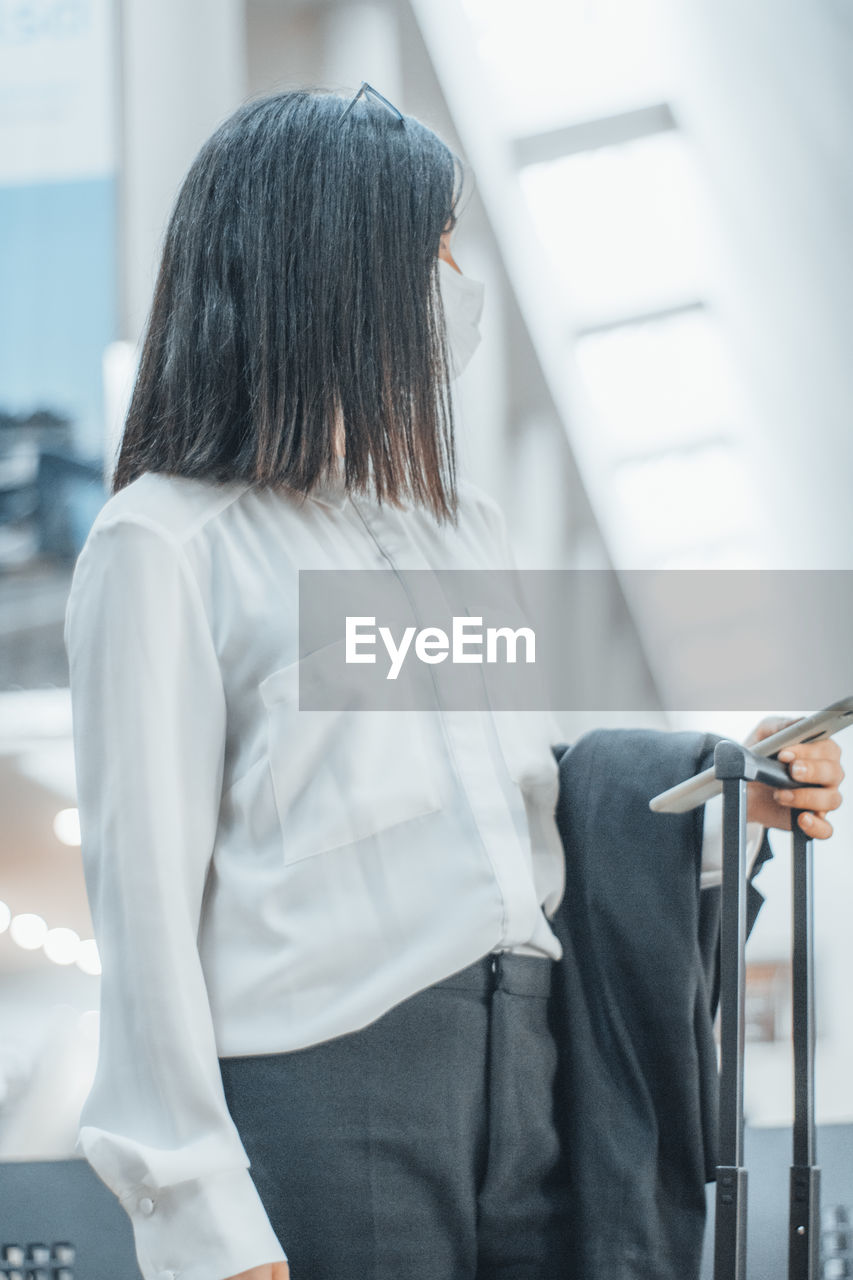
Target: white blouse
(262,878)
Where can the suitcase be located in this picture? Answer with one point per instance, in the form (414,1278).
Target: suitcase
(736,765)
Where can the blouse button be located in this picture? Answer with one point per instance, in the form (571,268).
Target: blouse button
(146,1204)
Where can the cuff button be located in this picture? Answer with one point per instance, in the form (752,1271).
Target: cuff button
(146,1205)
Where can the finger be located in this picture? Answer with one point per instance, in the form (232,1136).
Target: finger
(815,826)
(827,747)
(818,798)
(825,773)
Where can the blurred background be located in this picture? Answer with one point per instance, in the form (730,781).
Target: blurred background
(659,202)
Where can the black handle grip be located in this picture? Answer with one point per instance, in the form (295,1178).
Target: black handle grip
(733,760)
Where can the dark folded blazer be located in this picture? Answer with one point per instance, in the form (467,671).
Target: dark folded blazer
(634,1002)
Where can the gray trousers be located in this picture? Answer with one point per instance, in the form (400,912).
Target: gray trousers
(420,1146)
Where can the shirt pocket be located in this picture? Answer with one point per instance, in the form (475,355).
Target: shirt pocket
(344,775)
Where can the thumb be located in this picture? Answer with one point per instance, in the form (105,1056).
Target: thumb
(768,726)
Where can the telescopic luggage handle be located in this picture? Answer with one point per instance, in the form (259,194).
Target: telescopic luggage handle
(736,765)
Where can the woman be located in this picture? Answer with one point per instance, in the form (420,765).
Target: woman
(325,940)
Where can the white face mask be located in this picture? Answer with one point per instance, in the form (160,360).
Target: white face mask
(463,305)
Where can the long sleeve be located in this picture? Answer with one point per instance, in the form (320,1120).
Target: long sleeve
(712,830)
(148,709)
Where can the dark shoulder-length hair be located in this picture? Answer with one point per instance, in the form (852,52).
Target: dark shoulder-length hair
(298,291)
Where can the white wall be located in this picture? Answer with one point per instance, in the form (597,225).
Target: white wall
(766,91)
(183,72)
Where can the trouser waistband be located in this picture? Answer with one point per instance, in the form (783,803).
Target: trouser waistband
(507,971)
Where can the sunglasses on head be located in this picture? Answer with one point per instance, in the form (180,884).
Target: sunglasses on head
(368,88)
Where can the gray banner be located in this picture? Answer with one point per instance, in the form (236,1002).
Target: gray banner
(521,639)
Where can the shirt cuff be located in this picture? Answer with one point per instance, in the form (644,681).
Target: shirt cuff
(201,1229)
(712,844)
